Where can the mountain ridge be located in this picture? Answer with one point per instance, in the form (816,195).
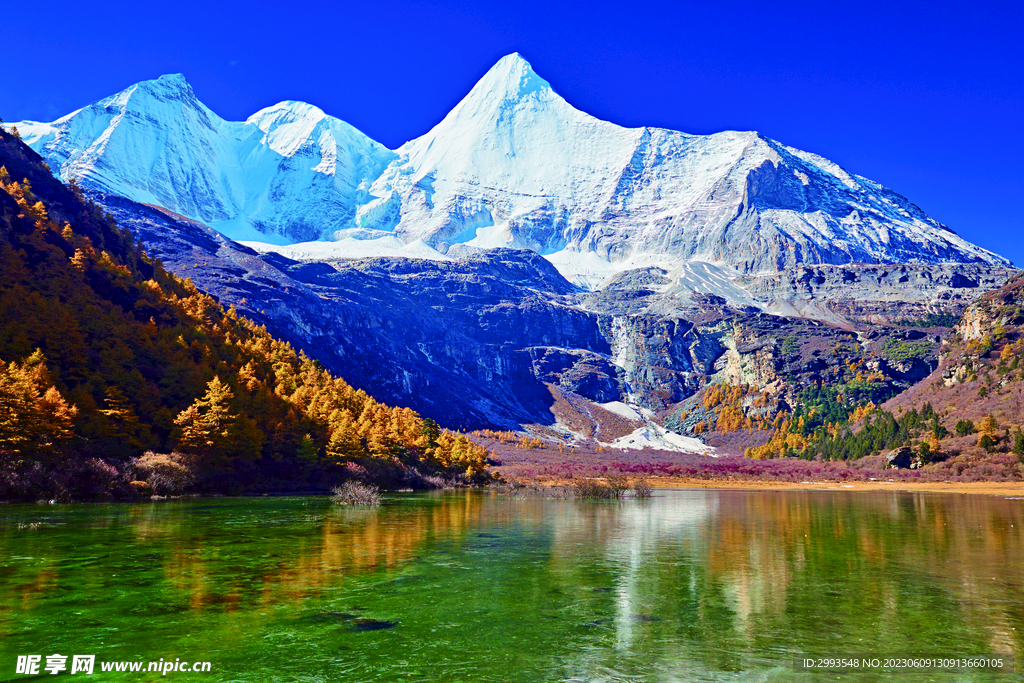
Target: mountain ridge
(513,165)
(287,167)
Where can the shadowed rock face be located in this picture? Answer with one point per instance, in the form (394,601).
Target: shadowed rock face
(454,340)
(475,342)
(590,375)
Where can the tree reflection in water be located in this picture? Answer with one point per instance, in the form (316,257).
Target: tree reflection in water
(688,585)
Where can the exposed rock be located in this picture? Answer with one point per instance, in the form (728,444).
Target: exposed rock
(477,342)
(585,373)
(854,294)
(900,458)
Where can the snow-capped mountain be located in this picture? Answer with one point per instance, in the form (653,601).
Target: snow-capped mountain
(287,174)
(513,164)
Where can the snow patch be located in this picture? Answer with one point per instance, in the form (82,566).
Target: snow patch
(585,269)
(622,409)
(652,435)
(350,248)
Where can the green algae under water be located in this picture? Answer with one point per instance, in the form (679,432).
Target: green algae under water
(470,586)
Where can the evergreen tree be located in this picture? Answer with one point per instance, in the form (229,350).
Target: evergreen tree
(308,453)
(208,425)
(964,428)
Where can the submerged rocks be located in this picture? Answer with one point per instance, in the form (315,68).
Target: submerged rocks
(352,622)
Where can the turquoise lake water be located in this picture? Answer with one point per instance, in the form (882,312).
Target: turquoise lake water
(692,585)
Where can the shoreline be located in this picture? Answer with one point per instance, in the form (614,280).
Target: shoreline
(1009,489)
(987,488)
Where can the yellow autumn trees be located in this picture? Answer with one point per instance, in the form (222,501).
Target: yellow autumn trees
(34,416)
(783,441)
(211,430)
(455,451)
(283,405)
(987,437)
(726,401)
(134,358)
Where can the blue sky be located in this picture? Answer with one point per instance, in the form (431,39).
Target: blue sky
(927,99)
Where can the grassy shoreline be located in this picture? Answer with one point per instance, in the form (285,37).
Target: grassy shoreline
(989,488)
(987,474)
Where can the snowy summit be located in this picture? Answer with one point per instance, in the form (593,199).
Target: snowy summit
(513,164)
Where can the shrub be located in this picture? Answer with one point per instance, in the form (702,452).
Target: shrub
(167,474)
(619,484)
(593,488)
(95,479)
(140,488)
(514,489)
(355,493)
(641,488)
(356,471)
(436,481)
(589,488)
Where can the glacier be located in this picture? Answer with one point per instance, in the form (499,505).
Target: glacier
(512,165)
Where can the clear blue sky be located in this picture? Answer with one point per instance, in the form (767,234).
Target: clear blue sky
(927,99)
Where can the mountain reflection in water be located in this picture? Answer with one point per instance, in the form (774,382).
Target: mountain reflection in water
(691,585)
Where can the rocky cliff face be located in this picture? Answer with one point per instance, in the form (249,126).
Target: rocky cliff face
(854,294)
(987,324)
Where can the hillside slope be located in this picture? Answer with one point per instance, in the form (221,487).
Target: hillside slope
(106,355)
(963,421)
(980,373)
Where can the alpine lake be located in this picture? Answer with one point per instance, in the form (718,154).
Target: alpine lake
(690,585)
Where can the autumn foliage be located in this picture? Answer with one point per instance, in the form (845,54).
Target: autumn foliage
(104,356)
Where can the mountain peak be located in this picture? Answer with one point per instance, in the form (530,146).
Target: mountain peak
(510,79)
(511,61)
(169,84)
(166,88)
(287,112)
(175,80)
(288,125)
